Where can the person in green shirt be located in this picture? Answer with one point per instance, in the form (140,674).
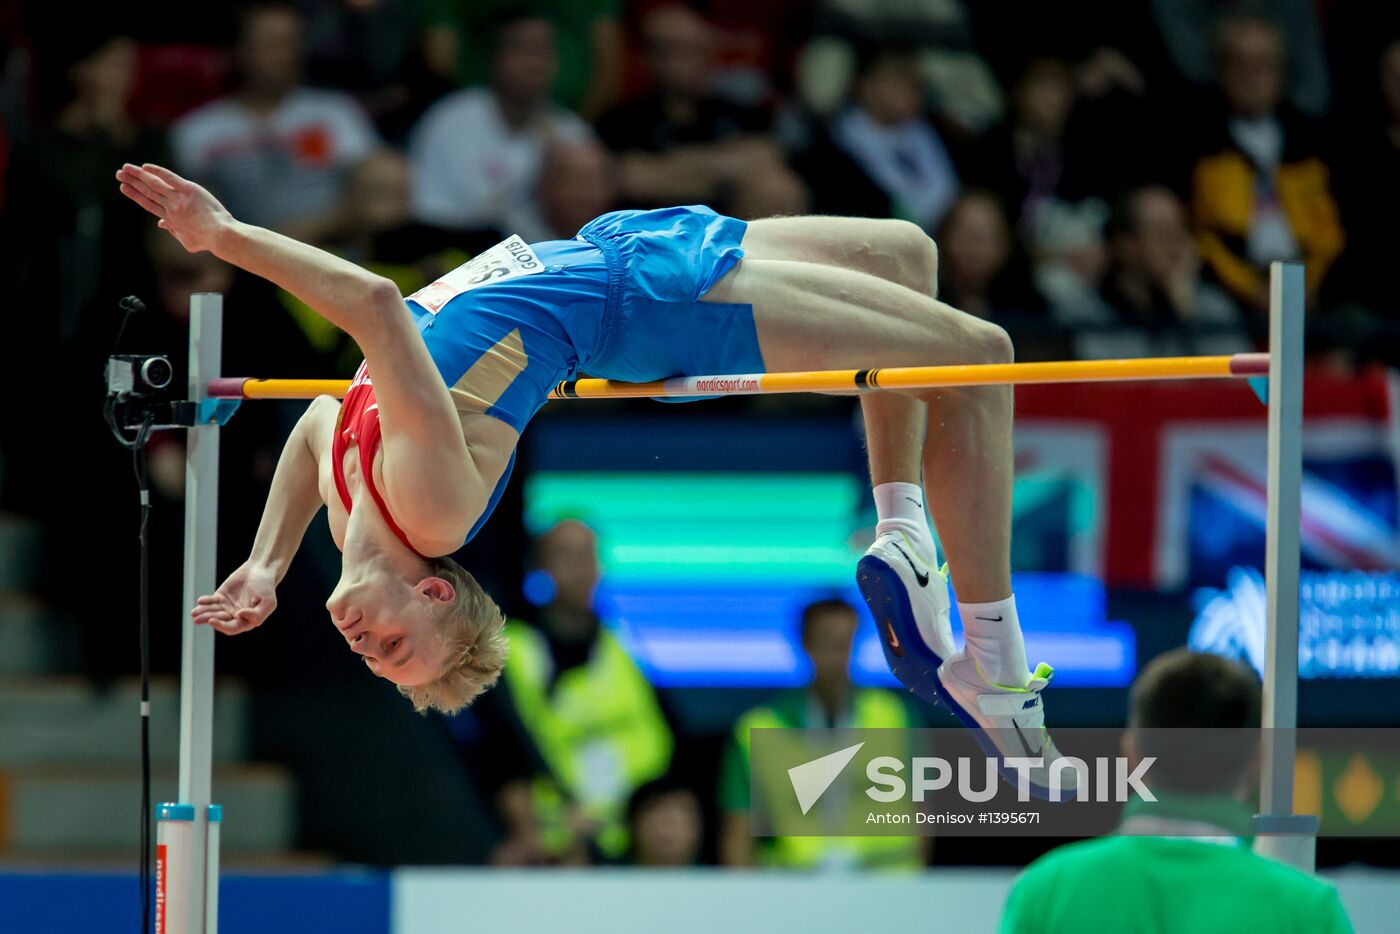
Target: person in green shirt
(1181,863)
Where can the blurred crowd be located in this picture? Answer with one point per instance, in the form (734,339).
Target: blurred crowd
(1103,178)
(1111,179)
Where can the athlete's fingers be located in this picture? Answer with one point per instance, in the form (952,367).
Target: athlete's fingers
(151,186)
(215,621)
(169,178)
(135,195)
(154,182)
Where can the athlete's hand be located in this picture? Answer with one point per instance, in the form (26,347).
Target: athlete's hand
(246,599)
(188,212)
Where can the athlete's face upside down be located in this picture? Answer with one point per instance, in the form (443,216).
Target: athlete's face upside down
(393,623)
(423,623)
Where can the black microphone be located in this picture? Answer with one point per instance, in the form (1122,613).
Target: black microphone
(130,305)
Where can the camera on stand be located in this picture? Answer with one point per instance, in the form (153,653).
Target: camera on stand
(139,395)
(135,375)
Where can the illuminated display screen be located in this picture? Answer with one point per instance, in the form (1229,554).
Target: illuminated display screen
(724,527)
(1348,622)
(705,573)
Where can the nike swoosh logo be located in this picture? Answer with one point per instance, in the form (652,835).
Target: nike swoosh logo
(920,576)
(893,639)
(915,501)
(991,619)
(1022,737)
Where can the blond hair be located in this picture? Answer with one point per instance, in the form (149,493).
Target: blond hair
(473,627)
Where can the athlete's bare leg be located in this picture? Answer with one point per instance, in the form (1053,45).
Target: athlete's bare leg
(894,423)
(853,293)
(848,293)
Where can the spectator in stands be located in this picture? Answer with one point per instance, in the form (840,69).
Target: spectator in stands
(758,44)
(359,45)
(478,153)
(375,226)
(954,78)
(579,182)
(886,133)
(378,199)
(274,151)
(589,33)
(62,224)
(682,143)
(979,268)
(1034,159)
(1169,858)
(372,49)
(830,701)
(1071,258)
(1155,302)
(593,720)
(1186,31)
(1260,189)
(665,825)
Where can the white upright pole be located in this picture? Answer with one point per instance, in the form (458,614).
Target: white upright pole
(1282,834)
(186,910)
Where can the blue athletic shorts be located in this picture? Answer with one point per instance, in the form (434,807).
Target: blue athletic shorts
(655,326)
(620,301)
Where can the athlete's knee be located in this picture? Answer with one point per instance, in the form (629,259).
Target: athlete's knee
(989,343)
(915,255)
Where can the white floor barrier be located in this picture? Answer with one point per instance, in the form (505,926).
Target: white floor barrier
(436,901)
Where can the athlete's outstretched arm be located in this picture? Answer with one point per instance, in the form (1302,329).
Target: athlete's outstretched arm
(366,306)
(250,594)
(353,299)
(414,404)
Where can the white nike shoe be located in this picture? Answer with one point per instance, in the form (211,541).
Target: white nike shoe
(1007,721)
(909,600)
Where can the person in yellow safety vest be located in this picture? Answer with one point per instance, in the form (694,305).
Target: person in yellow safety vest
(829,702)
(588,709)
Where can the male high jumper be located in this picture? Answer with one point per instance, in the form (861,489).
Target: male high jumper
(413,461)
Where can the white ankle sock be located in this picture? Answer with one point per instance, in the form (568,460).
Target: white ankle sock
(993,636)
(900,507)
